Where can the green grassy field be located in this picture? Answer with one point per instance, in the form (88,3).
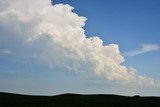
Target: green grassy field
(75,100)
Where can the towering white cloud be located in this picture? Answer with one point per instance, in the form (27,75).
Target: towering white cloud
(53,35)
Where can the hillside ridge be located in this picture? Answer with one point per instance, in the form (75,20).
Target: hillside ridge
(78,100)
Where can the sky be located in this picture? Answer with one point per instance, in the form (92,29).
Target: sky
(79,46)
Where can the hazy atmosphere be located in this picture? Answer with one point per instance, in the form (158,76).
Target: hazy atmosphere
(80,46)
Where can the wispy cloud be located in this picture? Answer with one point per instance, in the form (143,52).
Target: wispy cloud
(6,51)
(143,49)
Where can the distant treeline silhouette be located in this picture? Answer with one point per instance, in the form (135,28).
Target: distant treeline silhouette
(76,100)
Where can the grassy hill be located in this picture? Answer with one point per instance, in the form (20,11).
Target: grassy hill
(75,100)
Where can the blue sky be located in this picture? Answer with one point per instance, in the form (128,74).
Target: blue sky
(43,66)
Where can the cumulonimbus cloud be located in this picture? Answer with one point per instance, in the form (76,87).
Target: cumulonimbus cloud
(53,35)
